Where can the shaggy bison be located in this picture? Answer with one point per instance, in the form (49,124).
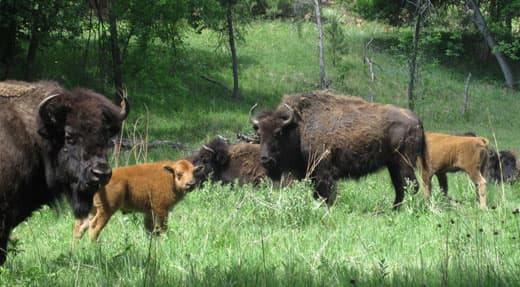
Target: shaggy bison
(451,153)
(328,137)
(150,188)
(53,142)
(226,163)
(503,165)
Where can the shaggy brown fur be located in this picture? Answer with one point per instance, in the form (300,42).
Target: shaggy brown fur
(239,162)
(51,146)
(449,153)
(343,136)
(150,188)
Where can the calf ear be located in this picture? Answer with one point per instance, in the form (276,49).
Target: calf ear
(221,157)
(52,116)
(169,169)
(198,168)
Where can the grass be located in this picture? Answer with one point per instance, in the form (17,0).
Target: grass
(263,236)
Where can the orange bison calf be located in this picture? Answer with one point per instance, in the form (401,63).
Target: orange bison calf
(449,153)
(150,188)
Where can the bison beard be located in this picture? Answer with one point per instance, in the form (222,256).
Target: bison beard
(53,142)
(328,137)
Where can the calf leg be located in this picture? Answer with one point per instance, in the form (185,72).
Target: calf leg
(98,223)
(480,185)
(443,182)
(79,228)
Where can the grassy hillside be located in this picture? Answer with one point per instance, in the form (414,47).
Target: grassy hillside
(265,236)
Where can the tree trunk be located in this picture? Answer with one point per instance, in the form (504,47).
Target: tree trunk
(116,54)
(323,82)
(31,53)
(229,16)
(8,30)
(413,60)
(478,19)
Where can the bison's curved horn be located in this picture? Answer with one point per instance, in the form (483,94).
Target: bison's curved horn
(253,121)
(291,115)
(42,108)
(125,108)
(208,148)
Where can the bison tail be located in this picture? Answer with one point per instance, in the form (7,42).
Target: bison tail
(423,152)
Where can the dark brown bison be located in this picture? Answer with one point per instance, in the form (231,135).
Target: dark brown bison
(503,165)
(328,137)
(226,163)
(53,142)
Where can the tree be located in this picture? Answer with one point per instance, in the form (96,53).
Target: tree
(231,38)
(480,22)
(323,81)
(116,53)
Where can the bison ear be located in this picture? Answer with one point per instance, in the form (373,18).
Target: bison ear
(169,169)
(52,115)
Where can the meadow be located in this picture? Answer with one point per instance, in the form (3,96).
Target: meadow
(269,236)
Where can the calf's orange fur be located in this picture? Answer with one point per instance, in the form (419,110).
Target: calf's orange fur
(150,188)
(450,153)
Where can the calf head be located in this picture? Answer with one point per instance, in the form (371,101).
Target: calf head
(213,156)
(76,127)
(279,136)
(183,173)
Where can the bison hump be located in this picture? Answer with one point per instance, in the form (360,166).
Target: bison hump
(15,89)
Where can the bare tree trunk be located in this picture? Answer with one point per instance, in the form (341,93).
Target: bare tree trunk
(466,94)
(478,19)
(31,53)
(413,60)
(229,16)
(116,54)
(8,30)
(323,81)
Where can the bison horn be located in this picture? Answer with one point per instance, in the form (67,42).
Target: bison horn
(253,121)
(208,148)
(42,108)
(125,107)
(291,115)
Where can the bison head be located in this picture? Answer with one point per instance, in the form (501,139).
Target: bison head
(508,165)
(213,156)
(279,137)
(76,127)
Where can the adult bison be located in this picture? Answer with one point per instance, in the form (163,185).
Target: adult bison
(328,137)
(54,141)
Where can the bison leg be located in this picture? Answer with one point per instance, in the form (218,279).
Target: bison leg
(325,187)
(400,175)
(442,178)
(4,238)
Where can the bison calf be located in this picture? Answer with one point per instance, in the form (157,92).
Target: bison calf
(450,153)
(150,188)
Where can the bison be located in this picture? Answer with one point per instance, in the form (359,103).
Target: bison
(226,163)
(150,188)
(503,166)
(54,141)
(451,153)
(328,137)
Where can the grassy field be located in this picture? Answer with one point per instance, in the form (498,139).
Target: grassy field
(267,236)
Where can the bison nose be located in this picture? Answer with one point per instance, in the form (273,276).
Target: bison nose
(101,176)
(266,160)
(190,185)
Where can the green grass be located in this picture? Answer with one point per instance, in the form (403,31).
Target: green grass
(263,236)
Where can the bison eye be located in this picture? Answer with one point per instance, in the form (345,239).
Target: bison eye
(70,140)
(179,175)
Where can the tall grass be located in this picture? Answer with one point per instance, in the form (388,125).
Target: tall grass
(265,236)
